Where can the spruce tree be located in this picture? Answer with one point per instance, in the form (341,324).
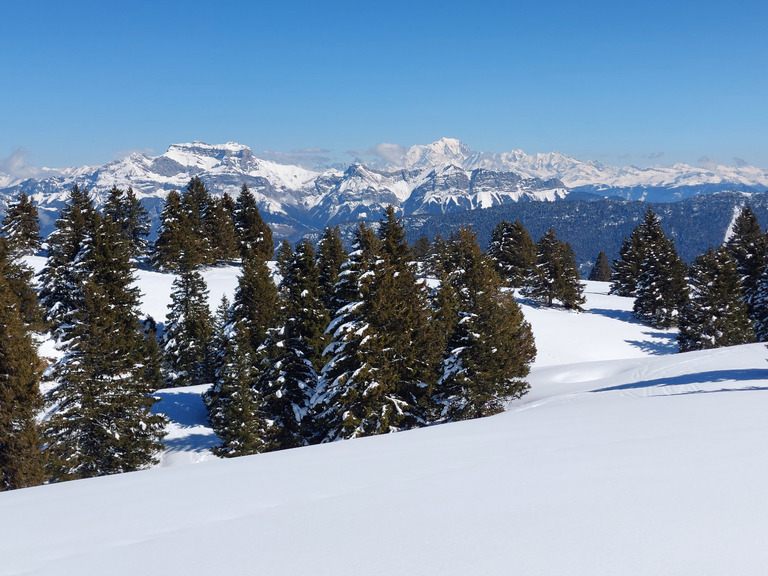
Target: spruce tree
(21,227)
(294,353)
(254,235)
(489,346)
(626,270)
(749,248)
(171,243)
(514,252)
(384,357)
(255,304)
(601,271)
(234,401)
(220,228)
(132,219)
(555,276)
(661,288)
(60,279)
(21,461)
(715,314)
(197,204)
(101,422)
(330,258)
(188,331)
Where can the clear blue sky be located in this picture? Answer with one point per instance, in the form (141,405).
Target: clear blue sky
(626,83)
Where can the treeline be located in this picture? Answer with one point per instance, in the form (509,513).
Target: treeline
(721,299)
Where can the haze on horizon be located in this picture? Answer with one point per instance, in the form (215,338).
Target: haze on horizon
(657,83)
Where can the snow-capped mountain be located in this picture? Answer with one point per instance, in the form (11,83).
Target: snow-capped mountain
(444,176)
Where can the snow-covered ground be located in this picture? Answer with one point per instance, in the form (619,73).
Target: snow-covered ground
(624,458)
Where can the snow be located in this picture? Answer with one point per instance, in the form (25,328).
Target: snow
(624,458)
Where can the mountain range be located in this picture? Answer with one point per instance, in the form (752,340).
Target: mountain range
(446,176)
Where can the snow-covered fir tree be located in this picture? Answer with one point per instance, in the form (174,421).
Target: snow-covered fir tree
(715,314)
(489,346)
(749,247)
(661,288)
(371,384)
(61,278)
(555,276)
(21,226)
(171,242)
(514,252)
(626,270)
(21,459)
(293,354)
(330,258)
(101,421)
(132,219)
(254,235)
(188,331)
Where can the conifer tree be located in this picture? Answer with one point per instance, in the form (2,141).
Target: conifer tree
(188,331)
(171,243)
(490,345)
(626,270)
(330,258)
(661,288)
(383,354)
(196,202)
(255,305)
(21,227)
(555,276)
(60,278)
(220,228)
(294,353)
(749,248)
(513,251)
(254,235)
(601,271)
(715,315)
(234,401)
(21,461)
(101,422)
(132,219)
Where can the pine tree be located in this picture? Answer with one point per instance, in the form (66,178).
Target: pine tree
(601,271)
(749,248)
(254,236)
(489,346)
(661,288)
(101,422)
(60,278)
(197,204)
(21,227)
(21,461)
(188,331)
(514,252)
(556,276)
(715,315)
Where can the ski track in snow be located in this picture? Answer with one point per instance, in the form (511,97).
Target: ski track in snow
(624,458)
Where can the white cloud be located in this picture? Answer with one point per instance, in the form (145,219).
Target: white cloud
(18,165)
(386,152)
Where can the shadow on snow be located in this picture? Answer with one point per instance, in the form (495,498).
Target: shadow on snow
(752,374)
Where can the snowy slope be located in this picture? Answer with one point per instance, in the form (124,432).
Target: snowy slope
(623,459)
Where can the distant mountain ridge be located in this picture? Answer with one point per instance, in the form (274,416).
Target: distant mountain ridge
(438,178)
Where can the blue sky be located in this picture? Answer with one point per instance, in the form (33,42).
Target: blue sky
(641,83)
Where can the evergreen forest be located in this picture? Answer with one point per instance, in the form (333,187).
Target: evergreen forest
(319,343)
